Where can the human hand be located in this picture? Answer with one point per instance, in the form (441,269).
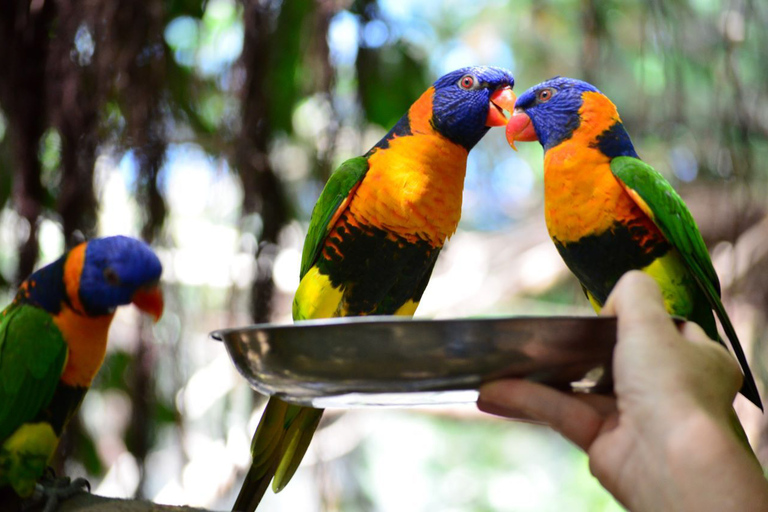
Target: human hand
(668,440)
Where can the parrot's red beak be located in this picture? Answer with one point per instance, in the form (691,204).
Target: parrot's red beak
(502,99)
(150,300)
(521,128)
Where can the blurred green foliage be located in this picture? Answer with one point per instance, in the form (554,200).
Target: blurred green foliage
(688,76)
(389,80)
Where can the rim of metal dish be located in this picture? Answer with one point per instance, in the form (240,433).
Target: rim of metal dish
(219,334)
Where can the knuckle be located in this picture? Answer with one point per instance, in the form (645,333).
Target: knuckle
(726,365)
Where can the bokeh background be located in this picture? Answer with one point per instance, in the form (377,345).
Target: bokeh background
(209,129)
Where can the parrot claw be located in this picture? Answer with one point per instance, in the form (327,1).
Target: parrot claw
(52,491)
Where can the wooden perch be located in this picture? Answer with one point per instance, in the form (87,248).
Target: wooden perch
(92,503)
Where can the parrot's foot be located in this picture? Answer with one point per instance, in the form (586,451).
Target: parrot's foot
(53,491)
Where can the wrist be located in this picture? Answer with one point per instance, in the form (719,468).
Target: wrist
(711,467)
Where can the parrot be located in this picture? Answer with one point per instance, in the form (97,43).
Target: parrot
(375,234)
(53,339)
(609,212)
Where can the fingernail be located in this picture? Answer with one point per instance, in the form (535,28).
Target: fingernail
(499,410)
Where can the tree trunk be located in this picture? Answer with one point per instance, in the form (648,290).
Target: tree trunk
(24,38)
(263,192)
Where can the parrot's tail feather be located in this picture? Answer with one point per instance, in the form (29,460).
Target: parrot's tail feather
(296,443)
(253,489)
(268,435)
(278,446)
(748,388)
(265,451)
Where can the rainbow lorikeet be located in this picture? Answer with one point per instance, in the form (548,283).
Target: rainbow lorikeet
(375,234)
(53,338)
(609,212)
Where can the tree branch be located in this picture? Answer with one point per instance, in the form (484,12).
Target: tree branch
(92,503)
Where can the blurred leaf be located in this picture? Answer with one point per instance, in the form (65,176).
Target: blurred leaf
(389,81)
(112,373)
(185,89)
(286,84)
(88,454)
(165,413)
(6,172)
(50,158)
(194,8)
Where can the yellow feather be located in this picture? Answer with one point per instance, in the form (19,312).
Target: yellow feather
(316,297)
(407,309)
(25,455)
(674,278)
(593,301)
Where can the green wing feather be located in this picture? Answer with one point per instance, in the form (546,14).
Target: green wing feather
(340,186)
(670,214)
(32,357)
(665,207)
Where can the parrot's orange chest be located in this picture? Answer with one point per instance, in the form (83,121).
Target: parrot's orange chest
(414,188)
(87,342)
(581,195)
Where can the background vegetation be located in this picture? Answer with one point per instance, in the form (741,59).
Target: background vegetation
(209,128)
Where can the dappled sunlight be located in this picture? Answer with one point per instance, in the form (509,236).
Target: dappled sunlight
(215,138)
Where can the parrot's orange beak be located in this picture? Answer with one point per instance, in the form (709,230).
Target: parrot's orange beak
(150,300)
(502,99)
(521,128)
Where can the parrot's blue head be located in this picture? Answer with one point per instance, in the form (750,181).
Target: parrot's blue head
(468,101)
(116,271)
(552,111)
(553,107)
(96,277)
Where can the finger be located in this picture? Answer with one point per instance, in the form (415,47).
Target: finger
(505,412)
(637,301)
(572,416)
(626,285)
(604,405)
(693,332)
(721,364)
(637,295)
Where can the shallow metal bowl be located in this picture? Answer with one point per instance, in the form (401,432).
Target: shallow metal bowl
(367,361)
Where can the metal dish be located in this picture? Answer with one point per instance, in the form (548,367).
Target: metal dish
(370,361)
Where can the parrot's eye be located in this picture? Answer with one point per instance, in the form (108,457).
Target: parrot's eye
(467,82)
(111,277)
(545,95)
